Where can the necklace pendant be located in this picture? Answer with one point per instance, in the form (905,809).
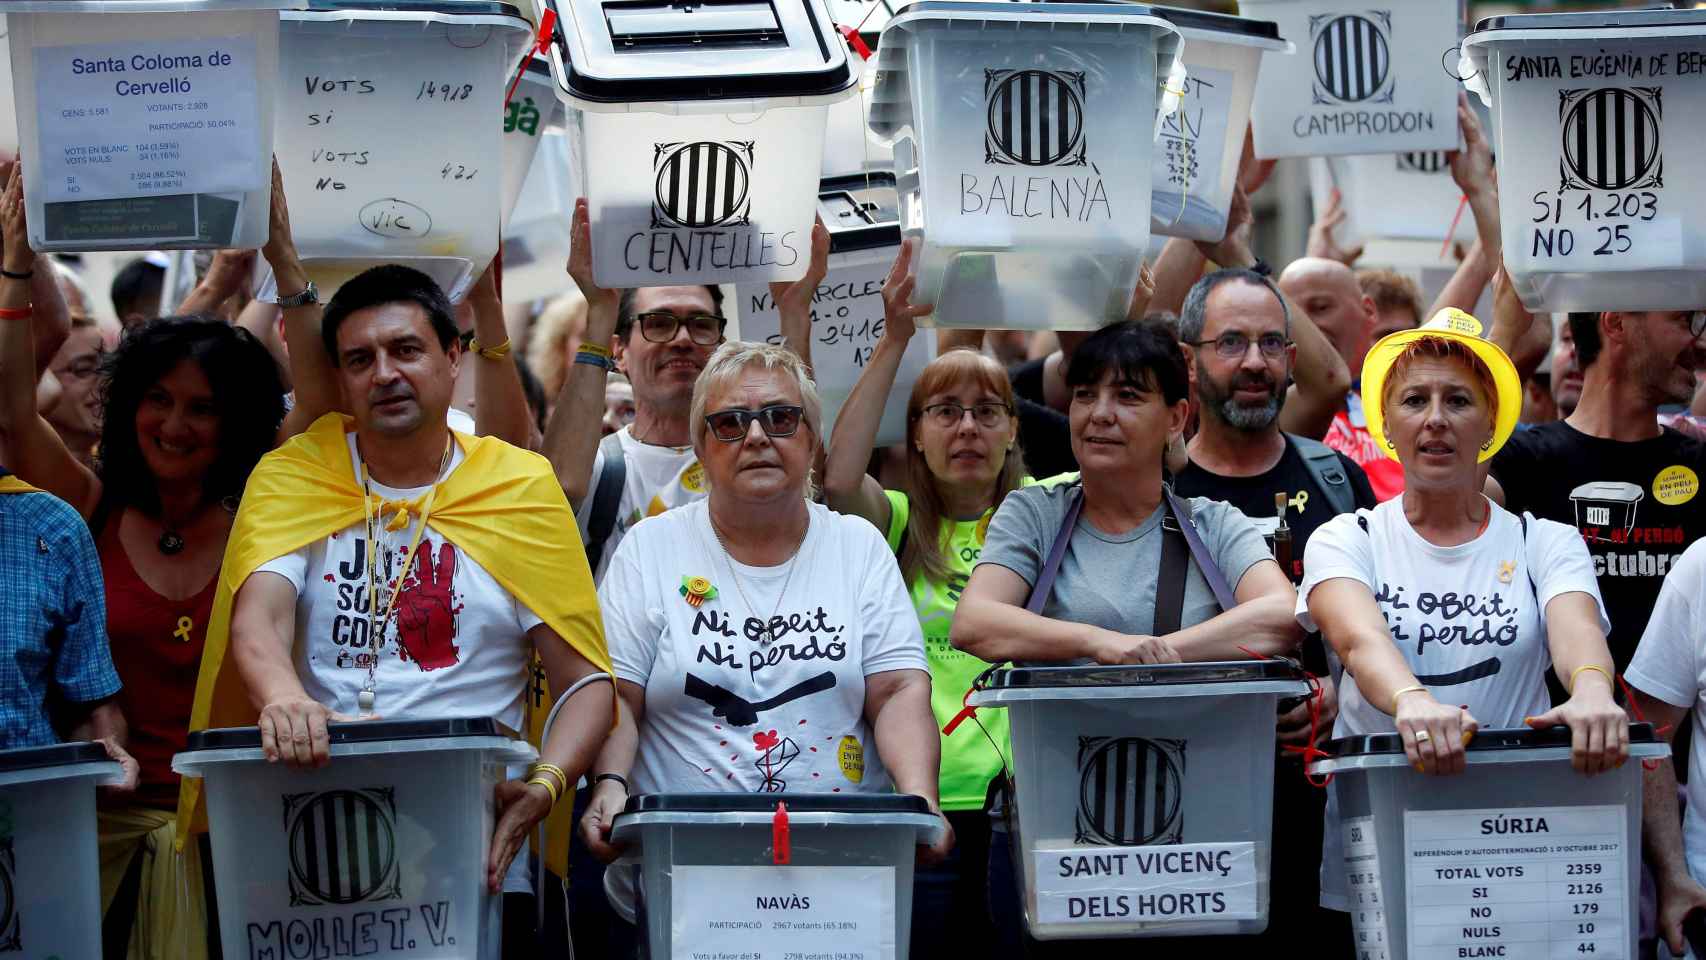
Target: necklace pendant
(764,637)
(364,700)
(170,543)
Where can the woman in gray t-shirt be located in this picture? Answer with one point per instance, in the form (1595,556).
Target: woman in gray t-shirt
(1129,385)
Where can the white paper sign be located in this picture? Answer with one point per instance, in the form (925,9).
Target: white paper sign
(1188,882)
(847,322)
(146,119)
(1362,878)
(1525,883)
(772,913)
(1189,152)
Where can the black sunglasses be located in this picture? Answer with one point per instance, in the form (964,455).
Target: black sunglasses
(777,420)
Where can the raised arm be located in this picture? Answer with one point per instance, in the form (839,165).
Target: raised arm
(572,433)
(794,300)
(847,488)
(1351,621)
(33,450)
(500,405)
(227,274)
(312,374)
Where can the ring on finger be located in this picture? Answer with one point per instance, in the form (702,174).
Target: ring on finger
(1422,736)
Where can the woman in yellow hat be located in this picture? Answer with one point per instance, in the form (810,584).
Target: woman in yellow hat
(1444,608)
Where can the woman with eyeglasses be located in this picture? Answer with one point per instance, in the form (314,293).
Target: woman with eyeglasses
(962,458)
(762,642)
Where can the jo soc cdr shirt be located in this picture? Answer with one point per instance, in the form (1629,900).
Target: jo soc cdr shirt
(1637,505)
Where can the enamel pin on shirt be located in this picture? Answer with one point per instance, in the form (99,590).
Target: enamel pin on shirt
(697,590)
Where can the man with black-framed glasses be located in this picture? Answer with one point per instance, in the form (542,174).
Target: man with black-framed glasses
(1240,328)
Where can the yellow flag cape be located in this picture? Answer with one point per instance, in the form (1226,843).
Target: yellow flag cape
(11,484)
(502,507)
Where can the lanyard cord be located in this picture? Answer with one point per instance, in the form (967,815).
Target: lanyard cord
(367,510)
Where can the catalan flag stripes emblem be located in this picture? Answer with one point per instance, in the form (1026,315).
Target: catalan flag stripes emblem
(1035,117)
(343,846)
(1611,138)
(702,184)
(1353,60)
(1429,161)
(1130,790)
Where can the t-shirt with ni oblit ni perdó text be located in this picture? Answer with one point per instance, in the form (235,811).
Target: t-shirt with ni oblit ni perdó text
(1469,620)
(727,711)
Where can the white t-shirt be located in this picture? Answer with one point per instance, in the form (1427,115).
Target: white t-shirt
(1466,619)
(1669,665)
(455,644)
(658,479)
(726,712)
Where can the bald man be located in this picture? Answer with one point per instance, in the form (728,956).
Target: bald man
(1328,292)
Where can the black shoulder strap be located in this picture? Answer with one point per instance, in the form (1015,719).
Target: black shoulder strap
(1206,565)
(1170,585)
(606,498)
(1324,468)
(1056,553)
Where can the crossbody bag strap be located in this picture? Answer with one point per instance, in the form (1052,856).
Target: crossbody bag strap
(1170,583)
(1057,552)
(1199,552)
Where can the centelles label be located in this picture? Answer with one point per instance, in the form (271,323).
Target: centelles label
(701,217)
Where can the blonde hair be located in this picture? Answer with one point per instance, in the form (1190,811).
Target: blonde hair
(732,359)
(923,552)
(563,320)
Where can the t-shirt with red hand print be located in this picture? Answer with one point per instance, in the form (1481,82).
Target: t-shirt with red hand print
(456,641)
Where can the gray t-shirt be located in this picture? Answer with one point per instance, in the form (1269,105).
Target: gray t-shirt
(1107,580)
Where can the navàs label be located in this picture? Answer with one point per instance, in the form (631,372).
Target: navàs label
(1188,882)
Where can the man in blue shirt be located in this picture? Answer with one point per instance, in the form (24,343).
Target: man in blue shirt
(57,680)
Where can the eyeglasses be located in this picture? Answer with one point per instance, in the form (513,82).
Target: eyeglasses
(778,420)
(660,326)
(949,415)
(1232,345)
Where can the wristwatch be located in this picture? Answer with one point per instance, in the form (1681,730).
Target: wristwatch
(309,294)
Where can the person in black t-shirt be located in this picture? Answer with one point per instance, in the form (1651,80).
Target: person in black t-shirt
(1240,328)
(1631,487)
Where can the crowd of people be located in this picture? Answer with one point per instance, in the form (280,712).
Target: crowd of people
(635,531)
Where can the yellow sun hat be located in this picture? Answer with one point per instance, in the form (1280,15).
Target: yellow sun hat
(1448,324)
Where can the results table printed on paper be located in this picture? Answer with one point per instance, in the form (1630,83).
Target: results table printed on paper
(1529,883)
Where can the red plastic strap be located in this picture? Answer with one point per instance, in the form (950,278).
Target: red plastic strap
(967,711)
(1635,708)
(780,851)
(855,41)
(1309,752)
(1451,232)
(547,27)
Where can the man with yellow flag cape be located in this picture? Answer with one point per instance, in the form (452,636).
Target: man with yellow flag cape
(495,511)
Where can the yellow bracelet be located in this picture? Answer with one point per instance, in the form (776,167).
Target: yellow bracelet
(596,349)
(1417,688)
(1594,667)
(490,353)
(550,788)
(555,771)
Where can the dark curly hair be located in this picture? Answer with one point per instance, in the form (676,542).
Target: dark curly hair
(247,391)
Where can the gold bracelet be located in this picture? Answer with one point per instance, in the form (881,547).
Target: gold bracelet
(1415,689)
(490,353)
(1594,667)
(555,771)
(596,349)
(550,788)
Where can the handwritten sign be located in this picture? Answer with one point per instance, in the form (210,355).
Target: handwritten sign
(390,138)
(847,322)
(1367,901)
(1528,883)
(1188,157)
(153,118)
(1187,882)
(769,913)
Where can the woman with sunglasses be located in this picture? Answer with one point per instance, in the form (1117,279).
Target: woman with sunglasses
(762,643)
(962,458)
